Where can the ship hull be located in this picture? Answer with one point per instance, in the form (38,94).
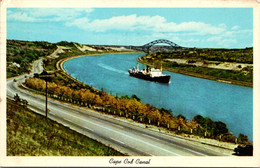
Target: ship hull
(161,79)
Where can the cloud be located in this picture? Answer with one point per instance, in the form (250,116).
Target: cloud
(20,16)
(79,18)
(222,41)
(130,22)
(148,23)
(46,14)
(235,27)
(195,27)
(135,27)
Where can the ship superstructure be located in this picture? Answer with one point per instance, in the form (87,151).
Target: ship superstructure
(150,74)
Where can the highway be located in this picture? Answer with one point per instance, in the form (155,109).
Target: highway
(125,136)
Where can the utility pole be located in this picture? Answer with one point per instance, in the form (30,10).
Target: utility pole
(46,88)
(47,77)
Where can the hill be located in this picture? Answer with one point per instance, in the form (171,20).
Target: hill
(31,134)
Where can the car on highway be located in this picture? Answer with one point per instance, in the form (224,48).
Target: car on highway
(244,150)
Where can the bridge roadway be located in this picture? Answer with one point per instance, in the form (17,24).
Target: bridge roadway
(129,138)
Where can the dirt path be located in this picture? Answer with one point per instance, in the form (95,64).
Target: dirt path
(55,54)
(216,65)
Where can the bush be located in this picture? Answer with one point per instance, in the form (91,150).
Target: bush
(228,137)
(213,128)
(242,139)
(24,52)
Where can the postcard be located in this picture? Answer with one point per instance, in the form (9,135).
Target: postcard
(129,83)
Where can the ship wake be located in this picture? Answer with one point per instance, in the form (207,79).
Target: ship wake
(111,69)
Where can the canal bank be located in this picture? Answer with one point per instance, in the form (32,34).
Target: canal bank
(229,81)
(190,96)
(194,138)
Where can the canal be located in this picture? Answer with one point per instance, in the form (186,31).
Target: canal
(186,95)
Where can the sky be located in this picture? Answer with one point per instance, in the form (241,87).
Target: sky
(187,27)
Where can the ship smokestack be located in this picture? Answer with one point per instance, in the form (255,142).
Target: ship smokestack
(147,69)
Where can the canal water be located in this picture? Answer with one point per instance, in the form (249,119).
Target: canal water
(186,95)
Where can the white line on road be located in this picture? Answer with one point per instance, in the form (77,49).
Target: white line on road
(72,122)
(118,126)
(194,152)
(150,136)
(125,134)
(67,120)
(175,154)
(89,129)
(117,140)
(183,147)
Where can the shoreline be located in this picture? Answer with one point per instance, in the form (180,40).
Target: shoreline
(59,64)
(61,61)
(239,83)
(194,138)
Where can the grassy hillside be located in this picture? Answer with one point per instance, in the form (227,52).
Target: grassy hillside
(243,76)
(63,88)
(210,54)
(30,134)
(21,53)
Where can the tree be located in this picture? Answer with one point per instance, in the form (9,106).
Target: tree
(242,138)
(181,117)
(135,97)
(228,137)
(24,103)
(220,128)
(154,115)
(17,98)
(199,119)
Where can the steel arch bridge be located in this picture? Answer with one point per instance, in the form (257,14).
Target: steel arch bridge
(147,46)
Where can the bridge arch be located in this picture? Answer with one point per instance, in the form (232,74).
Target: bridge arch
(147,46)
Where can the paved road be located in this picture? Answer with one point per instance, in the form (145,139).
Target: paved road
(124,136)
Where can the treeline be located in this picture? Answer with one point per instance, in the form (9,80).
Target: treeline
(131,107)
(124,105)
(222,55)
(21,53)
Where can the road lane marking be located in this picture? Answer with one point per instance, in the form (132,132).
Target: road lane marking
(117,140)
(67,120)
(127,136)
(89,129)
(114,131)
(84,127)
(182,147)
(194,151)
(36,101)
(148,154)
(150,136)
(118,126)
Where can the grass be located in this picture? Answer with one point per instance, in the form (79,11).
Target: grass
(31,134)
(23,53)
(242,77)
(234,77)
